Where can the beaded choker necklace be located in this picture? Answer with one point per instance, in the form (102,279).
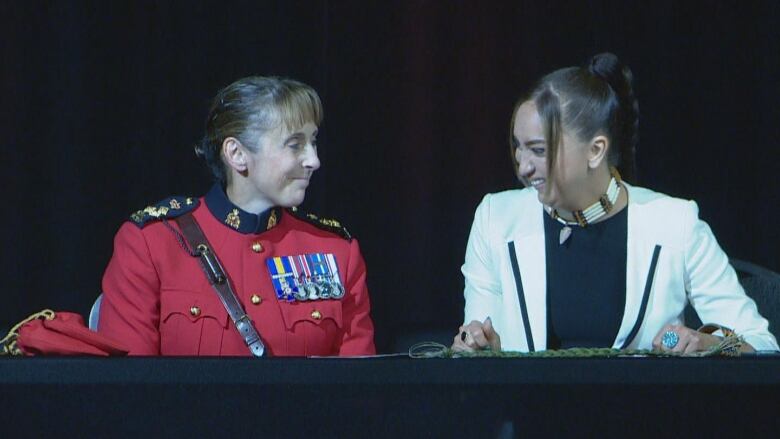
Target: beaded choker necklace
(593,212)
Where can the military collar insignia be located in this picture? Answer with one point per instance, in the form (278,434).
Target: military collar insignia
(170,207)
(233,219)
(236,218)
(327,224)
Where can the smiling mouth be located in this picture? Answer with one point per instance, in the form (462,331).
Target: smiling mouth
(536,183)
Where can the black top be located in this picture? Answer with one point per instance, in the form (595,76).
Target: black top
(586,282)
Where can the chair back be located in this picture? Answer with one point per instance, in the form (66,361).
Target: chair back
(94,313)
(761,284)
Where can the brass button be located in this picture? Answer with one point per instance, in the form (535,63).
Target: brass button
(195,311)
(256,299)
(316,315)
(257,247)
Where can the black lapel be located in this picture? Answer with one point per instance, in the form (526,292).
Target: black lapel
(643,308)
(521,295)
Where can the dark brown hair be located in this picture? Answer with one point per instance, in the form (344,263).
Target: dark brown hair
(594,99)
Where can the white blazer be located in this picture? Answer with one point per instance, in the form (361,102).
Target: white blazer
(672,258)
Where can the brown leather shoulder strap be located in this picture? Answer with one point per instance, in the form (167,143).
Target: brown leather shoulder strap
(191,230)
(220,282)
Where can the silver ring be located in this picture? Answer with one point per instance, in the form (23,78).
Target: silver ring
(670,339)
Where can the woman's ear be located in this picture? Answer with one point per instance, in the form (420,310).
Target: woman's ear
(234,154)
(597,151)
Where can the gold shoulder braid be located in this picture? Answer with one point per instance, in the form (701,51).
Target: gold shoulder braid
(327,224)
(170,207)
(9,341)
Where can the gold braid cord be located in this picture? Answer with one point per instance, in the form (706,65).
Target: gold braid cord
(9,341)
(729,346)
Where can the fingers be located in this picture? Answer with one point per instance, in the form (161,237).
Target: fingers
(460,343)
(687,340)
(668,338)
(671,338)
(476,335)
(479,338)
(492,336)
(665,339)
(471,337)
(657,339)
(487,327)
(684,338)
(699,341)
(693,345)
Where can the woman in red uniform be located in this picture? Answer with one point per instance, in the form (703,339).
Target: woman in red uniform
(301,280)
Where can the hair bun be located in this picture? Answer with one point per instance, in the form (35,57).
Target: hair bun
(618,76)
(606,66)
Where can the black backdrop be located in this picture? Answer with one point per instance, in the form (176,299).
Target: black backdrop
(102,102)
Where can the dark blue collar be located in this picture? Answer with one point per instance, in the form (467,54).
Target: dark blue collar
(236,218)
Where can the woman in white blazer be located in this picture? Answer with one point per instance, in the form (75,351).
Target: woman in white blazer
(581,258)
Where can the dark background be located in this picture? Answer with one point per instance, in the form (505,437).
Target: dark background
(101,104)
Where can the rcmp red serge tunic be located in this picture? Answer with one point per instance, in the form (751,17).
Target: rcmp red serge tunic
(157,300)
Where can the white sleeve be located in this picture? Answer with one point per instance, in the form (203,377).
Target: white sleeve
(482,284)
(714,289)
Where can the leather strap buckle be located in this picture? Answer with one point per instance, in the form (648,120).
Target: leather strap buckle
(221,284)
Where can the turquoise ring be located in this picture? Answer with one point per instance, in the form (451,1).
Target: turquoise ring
(670,339)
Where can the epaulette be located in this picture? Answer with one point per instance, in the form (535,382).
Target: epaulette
(327,224)
(170,207)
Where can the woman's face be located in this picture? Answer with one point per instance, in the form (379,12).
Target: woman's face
(280,170)
(531,149)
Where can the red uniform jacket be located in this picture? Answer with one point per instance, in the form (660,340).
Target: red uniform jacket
(157,300)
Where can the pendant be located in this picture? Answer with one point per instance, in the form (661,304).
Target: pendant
(565,233)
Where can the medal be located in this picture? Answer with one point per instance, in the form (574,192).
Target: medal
(337,290)
(320,273)
(283,277)
(303,293)
(313,276)
(325,287)
(313,290)
(310,290)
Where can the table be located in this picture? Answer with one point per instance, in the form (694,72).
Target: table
(391,396)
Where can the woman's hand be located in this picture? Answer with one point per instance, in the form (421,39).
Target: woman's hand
(477,336)
(687,340)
